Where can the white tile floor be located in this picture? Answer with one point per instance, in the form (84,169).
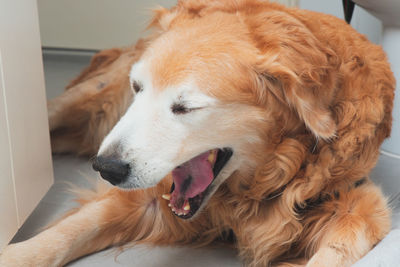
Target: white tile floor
(59,70)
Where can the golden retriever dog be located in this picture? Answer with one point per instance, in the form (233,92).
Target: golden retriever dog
(235,118)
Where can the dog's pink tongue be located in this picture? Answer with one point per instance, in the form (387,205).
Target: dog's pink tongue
(192,178)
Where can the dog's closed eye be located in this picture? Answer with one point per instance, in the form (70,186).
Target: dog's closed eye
(137,86)
(180,108)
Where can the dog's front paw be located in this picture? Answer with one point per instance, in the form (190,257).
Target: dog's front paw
(9,257)
(24,254)
(14,256)
(329,257)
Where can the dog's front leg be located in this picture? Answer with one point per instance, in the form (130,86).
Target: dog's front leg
(361,218)
(61,243)
(113,217)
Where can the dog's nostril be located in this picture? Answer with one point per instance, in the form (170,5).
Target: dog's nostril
(111,169)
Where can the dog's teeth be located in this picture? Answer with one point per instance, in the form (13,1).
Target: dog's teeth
(186,207)
(166,196)
(211,157)
(180,214)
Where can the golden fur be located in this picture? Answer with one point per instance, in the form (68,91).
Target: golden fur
(325,93)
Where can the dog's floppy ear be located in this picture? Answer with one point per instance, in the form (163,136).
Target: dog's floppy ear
(162,18)
(99,61)
(303,97)
(302,73)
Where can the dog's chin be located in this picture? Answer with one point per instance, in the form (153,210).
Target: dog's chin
(195,181)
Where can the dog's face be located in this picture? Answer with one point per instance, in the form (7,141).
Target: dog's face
(178,123)
(199,111)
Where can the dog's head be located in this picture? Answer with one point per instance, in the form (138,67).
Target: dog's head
(209,96)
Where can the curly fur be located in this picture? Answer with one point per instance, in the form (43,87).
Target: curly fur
(325,96)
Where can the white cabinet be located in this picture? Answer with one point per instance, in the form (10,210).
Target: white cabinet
(25,158)
(8,211)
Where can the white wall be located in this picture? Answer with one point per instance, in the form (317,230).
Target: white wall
(94,24)
(98,24)
(362,21)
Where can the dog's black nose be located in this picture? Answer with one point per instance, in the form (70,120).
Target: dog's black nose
(113,170)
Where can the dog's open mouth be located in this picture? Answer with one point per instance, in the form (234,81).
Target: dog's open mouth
(193,180)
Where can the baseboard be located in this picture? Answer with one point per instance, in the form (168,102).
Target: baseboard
(58,51)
